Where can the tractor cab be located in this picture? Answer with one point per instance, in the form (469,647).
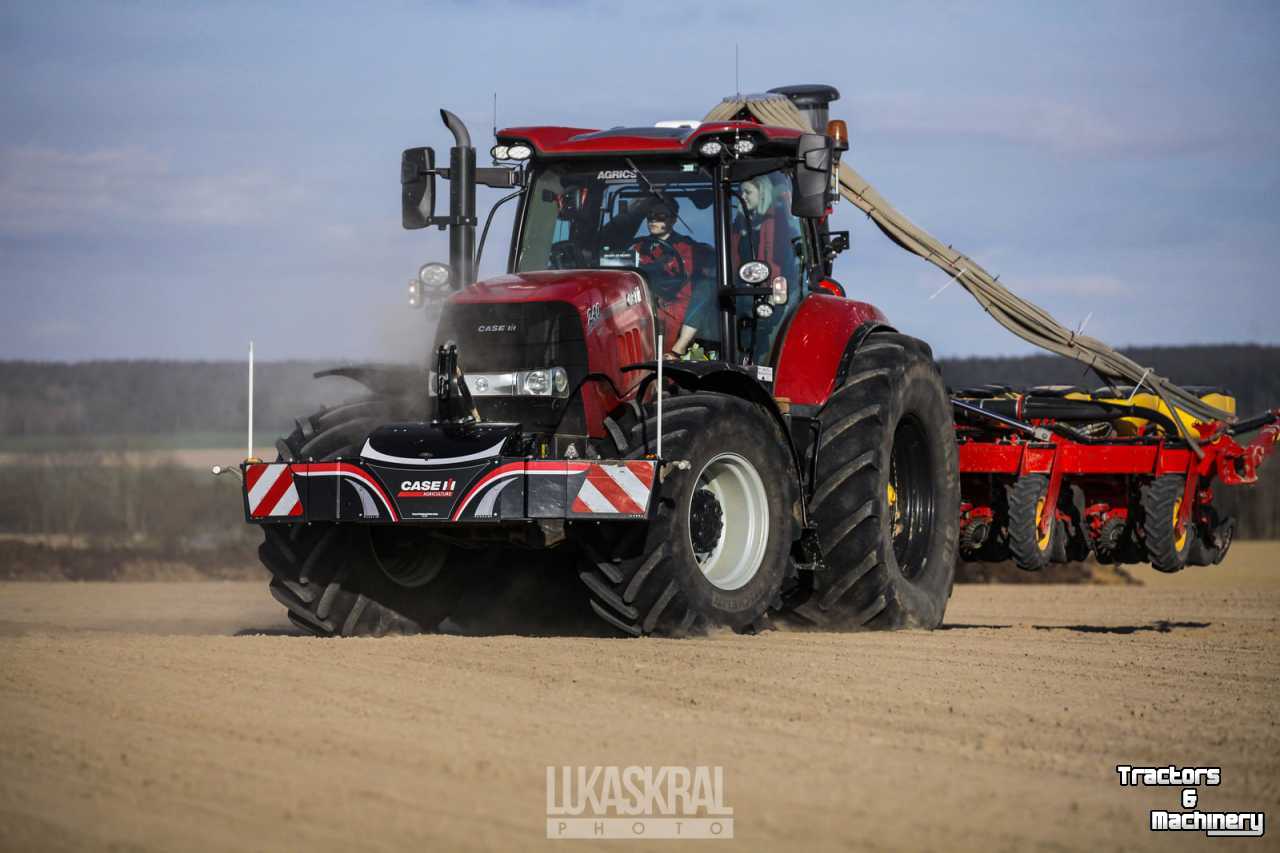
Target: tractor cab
(725,258)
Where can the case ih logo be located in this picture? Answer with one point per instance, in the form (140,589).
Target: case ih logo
(497,327)
(427,488)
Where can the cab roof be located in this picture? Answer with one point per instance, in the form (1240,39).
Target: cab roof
(581,141)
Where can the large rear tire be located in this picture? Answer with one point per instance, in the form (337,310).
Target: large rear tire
(887,493)
(356,580)
(716,550)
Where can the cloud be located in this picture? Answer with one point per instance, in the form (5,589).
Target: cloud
(1080,127)
(52,190)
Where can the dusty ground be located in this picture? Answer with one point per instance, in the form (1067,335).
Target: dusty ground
(173,716)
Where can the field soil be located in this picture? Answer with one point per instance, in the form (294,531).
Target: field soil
(188,716)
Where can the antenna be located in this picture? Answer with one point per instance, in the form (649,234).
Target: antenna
(737,86)
(249,454)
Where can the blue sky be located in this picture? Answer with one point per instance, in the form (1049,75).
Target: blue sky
(177,178)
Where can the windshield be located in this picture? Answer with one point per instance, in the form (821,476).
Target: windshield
(658,218)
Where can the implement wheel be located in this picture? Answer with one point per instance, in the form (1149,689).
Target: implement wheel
(1032,550)
(887,493)
(1169,542)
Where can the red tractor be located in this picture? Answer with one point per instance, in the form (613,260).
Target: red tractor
(666,385)
(669,388)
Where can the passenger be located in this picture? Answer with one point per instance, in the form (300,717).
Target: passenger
(755,231)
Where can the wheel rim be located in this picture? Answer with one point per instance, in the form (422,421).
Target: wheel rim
(910,497)
(406,557)
(1042,539)
(1179,530)
(728,521)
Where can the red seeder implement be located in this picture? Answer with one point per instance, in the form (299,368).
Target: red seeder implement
(1050,475)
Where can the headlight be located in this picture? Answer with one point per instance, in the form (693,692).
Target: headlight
(553,382)
(499,152)
(536,383)
(753,272)
(710,149)
(559,381)
(540,382)
(519,152)
(434,276)
(744,146)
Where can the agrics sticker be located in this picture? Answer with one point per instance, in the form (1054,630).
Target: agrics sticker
(616,175)
(427,489)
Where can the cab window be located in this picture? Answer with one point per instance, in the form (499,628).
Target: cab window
(763,229)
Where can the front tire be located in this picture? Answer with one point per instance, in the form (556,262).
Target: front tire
(716,549)
(356,580)
(887,495)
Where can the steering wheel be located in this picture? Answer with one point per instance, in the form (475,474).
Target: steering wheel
(564,255)
(661,264)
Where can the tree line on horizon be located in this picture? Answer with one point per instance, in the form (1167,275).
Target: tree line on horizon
(167,397)
(88,401)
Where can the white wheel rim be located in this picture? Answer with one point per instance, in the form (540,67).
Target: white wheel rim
(744,530)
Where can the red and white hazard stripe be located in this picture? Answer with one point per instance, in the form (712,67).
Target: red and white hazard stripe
(618,489)
(271,491)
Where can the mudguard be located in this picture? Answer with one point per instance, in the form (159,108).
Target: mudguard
(818,344)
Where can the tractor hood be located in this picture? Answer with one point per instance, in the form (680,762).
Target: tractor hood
(580,288)
(591,323)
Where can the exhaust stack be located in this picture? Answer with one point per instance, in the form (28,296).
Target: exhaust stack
(462,202)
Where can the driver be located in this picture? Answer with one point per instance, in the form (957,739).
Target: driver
(667,257)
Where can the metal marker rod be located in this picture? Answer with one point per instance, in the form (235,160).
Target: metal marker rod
(249,453)
(661,358)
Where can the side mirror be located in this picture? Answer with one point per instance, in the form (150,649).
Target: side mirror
(417,187)
(815,162)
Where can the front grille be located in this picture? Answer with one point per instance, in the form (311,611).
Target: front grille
(496,337)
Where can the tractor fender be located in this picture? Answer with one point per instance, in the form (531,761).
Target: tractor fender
(381,379)
(819,344)
(404,388)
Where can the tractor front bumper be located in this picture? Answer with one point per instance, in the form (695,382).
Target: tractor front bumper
(429,473)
